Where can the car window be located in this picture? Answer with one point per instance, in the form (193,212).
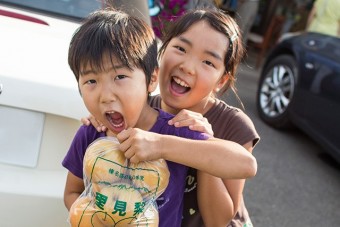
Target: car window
(77,9)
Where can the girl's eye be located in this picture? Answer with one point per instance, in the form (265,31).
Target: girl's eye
(209,63)
(180,48)
(119,77)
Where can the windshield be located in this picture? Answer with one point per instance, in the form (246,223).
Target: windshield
(67,8)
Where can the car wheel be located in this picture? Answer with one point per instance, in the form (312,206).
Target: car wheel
(276,91)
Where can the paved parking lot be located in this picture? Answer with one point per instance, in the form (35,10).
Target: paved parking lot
(297,183)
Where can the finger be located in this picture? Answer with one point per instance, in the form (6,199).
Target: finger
(129,153)
(203,129)
(85,121)
(193,121)
(99,129)
(184,116)
(123,135)
(134,159)
(186,122)
(179,117)
(94,121)
(102,128)
(125,140)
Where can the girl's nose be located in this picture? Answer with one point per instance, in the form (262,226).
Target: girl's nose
(188,67)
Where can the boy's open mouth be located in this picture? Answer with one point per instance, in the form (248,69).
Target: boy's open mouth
(116,120)
(179,86)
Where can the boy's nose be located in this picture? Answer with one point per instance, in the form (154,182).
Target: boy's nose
(108,94)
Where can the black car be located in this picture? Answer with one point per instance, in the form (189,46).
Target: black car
(300,86)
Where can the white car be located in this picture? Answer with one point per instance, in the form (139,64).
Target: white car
(40,108)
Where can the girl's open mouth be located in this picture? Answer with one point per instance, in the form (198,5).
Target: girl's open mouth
(179,86)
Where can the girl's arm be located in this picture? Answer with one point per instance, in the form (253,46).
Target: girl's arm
(214,200)
(218,199)
(221,158)
(73,188)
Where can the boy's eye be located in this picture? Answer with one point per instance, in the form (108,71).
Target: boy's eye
(90,82)
(119,77)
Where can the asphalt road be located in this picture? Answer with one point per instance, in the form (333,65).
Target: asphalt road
(297,183)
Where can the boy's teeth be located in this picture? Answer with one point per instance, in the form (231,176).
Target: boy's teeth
(180,82)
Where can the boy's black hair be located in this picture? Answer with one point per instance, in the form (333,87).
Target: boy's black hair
(110,32)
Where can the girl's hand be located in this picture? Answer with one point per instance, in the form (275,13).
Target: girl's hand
(91,120)
(139,145)
(195,121)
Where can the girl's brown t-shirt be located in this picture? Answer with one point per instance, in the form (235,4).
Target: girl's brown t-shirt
(229,123)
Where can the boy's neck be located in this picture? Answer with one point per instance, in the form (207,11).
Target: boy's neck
(147,118)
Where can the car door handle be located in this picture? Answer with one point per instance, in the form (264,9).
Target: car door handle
(0,88)
(309,65)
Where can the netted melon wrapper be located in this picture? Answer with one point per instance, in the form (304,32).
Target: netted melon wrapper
(117,192)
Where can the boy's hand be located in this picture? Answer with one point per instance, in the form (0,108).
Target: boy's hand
(139,145)
(195,121)
(91,120)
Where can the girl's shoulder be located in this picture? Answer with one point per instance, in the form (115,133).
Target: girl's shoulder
(221,108)
(231,123)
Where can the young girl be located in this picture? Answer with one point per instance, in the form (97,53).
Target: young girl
(114,59)
(198,61)
(199,58)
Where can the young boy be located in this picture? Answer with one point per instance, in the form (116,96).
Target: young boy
(114,59)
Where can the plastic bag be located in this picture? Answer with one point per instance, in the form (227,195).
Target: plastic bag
(117,192)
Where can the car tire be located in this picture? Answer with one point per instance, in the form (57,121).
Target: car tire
(276,91)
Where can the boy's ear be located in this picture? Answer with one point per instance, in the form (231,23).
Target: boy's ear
(223,80)
(153,81)
(79,91)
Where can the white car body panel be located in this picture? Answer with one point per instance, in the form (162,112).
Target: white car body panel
(31,82)
(35,76)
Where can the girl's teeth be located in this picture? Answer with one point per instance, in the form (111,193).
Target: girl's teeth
(180,82)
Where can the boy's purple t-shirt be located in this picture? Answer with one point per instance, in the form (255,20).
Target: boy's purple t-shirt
(170,202)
